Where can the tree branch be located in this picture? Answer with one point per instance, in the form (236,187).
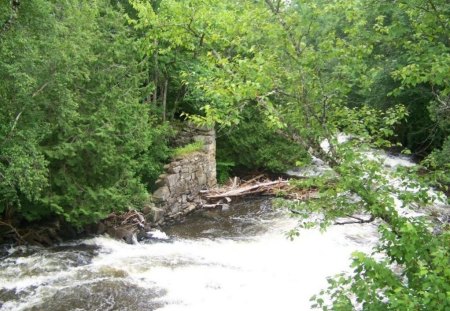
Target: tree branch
(436,13)
(276,12)
(18,236)
(40,89)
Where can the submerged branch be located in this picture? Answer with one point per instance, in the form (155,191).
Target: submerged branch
(356,220)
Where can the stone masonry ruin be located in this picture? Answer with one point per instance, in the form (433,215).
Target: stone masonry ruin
(179,187)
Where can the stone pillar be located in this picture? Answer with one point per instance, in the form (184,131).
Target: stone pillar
(179,186)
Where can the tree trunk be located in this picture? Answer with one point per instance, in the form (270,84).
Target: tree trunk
(164,99)
(155,73)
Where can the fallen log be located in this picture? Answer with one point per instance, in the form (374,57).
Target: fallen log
(258,188)
(212,206)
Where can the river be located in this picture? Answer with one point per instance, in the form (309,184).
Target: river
(237,259)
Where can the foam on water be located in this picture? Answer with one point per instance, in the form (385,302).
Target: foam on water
(265,272)
(229,260)
(268,272)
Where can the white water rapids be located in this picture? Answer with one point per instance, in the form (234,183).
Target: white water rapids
(256,270)
(238,259)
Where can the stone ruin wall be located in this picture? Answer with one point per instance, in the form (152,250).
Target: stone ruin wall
(179,186)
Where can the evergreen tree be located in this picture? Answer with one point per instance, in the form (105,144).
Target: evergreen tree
(76,135)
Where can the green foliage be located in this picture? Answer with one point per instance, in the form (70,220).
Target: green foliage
(311,70)
(438,164)
(83,94)
(224,169)
(412,272)
(76,139)
(188,149)
(253,144)
(422,283)
(409,64)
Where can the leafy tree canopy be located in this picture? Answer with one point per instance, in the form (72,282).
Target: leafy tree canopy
(374,70)
(87,87)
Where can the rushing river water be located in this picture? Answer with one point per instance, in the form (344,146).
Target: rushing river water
(238,259)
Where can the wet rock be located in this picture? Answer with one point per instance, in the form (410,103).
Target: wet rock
(121,295)
(124,234)
(101,228)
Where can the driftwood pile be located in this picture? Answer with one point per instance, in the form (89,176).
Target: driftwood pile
(128,226)
(44,235)
(259,185)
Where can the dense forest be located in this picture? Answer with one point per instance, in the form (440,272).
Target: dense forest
(90,92)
